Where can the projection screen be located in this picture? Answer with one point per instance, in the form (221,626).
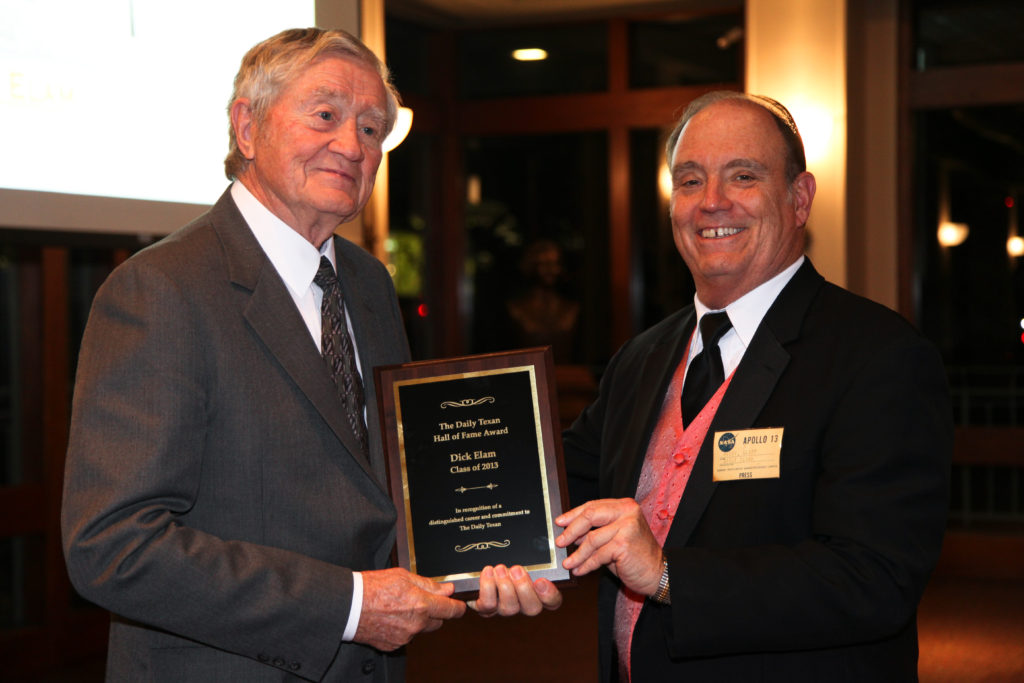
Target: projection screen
(113,112)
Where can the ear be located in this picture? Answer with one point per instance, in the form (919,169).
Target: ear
(243,124)
(802,192)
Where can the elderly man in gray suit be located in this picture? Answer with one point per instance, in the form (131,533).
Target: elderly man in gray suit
(224,498)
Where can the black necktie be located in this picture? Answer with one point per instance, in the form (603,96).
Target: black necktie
(336,347)
(705,373)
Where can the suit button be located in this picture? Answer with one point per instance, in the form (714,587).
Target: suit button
(263,658)
(278,661)
(368,666)
(294,666)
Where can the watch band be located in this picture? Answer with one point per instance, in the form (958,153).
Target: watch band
(662,595)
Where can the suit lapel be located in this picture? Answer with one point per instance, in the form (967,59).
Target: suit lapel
(655,376)
(752,385)
(272,315)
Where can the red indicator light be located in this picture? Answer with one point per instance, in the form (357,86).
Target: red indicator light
(1009,202)
(421,310)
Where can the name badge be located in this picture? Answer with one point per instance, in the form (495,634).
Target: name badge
(747,454)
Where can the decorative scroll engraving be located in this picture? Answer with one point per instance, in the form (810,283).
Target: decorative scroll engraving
(467,402)
(463,489)
(482,545)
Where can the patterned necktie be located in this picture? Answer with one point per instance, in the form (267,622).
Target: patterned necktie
(705,374)
(336,347)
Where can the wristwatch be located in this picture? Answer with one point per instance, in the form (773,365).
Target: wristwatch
(662,595)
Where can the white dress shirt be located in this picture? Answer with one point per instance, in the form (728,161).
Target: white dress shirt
(746,314)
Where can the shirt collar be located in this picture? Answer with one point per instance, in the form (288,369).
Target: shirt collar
(294,258)
(747,312)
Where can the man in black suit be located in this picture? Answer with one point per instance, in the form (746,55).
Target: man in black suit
(225,498)
(783,529)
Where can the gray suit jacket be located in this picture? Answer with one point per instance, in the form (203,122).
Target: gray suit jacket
(214,501)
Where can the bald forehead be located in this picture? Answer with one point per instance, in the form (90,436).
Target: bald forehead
(744,116)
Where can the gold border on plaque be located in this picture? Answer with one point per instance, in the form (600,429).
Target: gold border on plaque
(538,432)
(539,362)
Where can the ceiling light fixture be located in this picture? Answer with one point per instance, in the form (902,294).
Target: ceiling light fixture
(529,54)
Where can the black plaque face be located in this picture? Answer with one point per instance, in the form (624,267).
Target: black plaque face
(474,466)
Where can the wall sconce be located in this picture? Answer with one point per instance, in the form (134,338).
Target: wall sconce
(665,181)
(949,234)
(1015,246)
(952,234)
(473,190)
(816,123)
(403,124)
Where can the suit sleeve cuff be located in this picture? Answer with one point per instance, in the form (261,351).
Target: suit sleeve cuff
(356,609)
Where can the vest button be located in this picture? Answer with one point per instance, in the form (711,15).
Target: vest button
(682,457)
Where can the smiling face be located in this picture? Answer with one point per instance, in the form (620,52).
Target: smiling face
(314,157)
(736,221)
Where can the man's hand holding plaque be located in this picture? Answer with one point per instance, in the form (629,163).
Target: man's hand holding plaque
(510,591)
